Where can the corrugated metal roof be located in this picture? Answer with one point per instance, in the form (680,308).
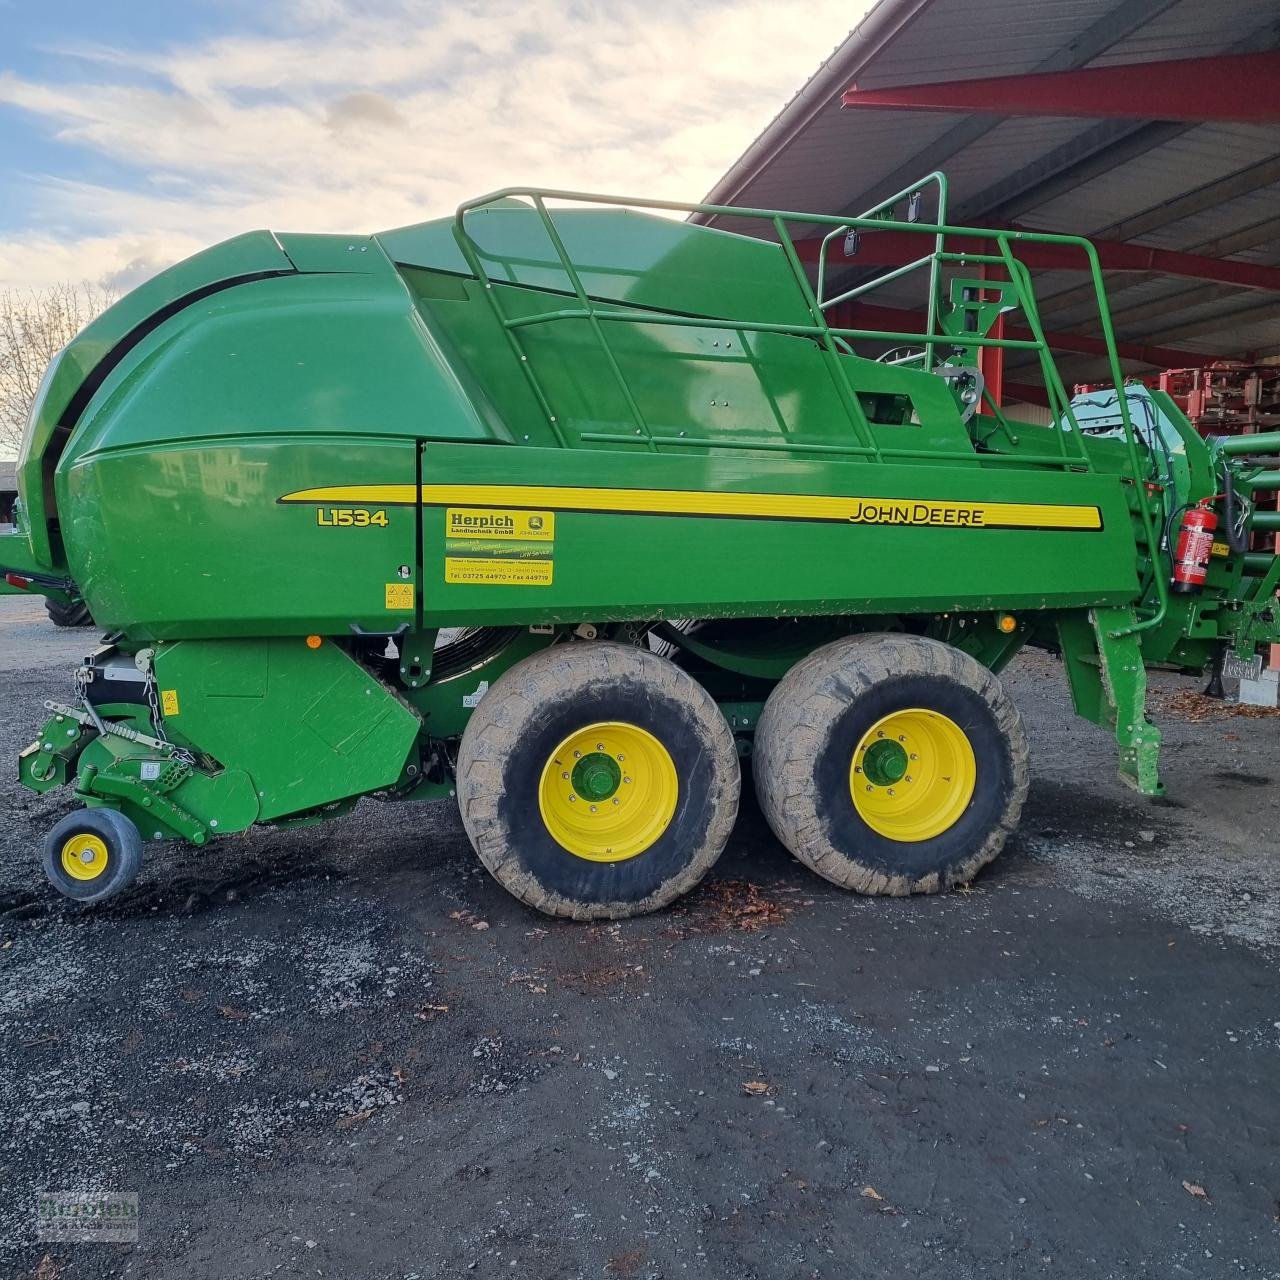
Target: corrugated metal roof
(816,157)
(1199,156)
(1245,211)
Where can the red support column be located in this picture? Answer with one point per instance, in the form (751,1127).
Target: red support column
(991,359)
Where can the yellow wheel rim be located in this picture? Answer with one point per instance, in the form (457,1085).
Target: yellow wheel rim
(912,775)
(608,791)
(84,857)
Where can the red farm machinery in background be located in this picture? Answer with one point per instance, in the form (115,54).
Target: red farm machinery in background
(1231,398)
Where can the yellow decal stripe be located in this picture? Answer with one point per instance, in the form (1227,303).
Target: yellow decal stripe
(777,506)
(391,495)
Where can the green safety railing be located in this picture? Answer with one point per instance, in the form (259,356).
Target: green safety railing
(833,340)
(931,260)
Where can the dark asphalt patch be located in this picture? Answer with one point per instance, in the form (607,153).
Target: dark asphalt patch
(345,1051)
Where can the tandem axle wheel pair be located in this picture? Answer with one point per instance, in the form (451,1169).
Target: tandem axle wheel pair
(600,780)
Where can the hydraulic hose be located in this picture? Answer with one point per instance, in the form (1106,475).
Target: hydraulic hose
(1237,537)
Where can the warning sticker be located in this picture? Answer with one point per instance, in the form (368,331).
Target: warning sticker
(495,572)
(399,595)
(169,702)
(499,524)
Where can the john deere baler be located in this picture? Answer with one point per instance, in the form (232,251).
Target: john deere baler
(569,508)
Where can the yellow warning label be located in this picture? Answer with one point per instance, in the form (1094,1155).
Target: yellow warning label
(399,595)
(501,524)
(492,573)
(1220,549)
(169,702)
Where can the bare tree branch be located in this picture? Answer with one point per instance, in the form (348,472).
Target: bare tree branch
(34,326)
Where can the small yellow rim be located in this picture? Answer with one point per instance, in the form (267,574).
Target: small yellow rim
(608,791)
(912,775)
(84,857)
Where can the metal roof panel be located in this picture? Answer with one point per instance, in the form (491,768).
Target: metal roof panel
(835,157)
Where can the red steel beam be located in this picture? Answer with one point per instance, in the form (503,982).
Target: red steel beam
(1026,393)
(894,248)
(863,315)
(1240,88)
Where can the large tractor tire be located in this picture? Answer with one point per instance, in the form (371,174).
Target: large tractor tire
(891,764)
(597,781)
(74,614)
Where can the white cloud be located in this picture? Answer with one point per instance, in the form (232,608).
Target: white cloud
(385,113)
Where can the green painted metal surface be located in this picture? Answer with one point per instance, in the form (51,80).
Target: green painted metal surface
(308,726)
(232,561)
(71,373)
(612,566)
(181,801)
(16,554)
(625,256)
(31,576)
(1124,686)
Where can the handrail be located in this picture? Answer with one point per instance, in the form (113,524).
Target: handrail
(829,336)
(836,366)
(787,216)
(936,178)
(584,298)
(1131,443)
(638,315)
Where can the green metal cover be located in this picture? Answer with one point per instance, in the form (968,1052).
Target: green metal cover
(254,254)
(309,726)
(624,255)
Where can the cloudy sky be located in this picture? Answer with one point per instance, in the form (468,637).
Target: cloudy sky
(133,132)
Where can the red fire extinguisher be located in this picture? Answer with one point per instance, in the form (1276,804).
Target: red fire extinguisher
(1195,546)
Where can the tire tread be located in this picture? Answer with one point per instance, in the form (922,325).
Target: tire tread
(793,728)
(556,673)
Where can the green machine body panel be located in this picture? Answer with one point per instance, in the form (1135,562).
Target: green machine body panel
(232,561)
(308,725)
(740,537)
(72,374)
(625,255)
(211,417)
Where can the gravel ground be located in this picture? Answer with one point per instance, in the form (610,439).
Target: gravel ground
(346,1052)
